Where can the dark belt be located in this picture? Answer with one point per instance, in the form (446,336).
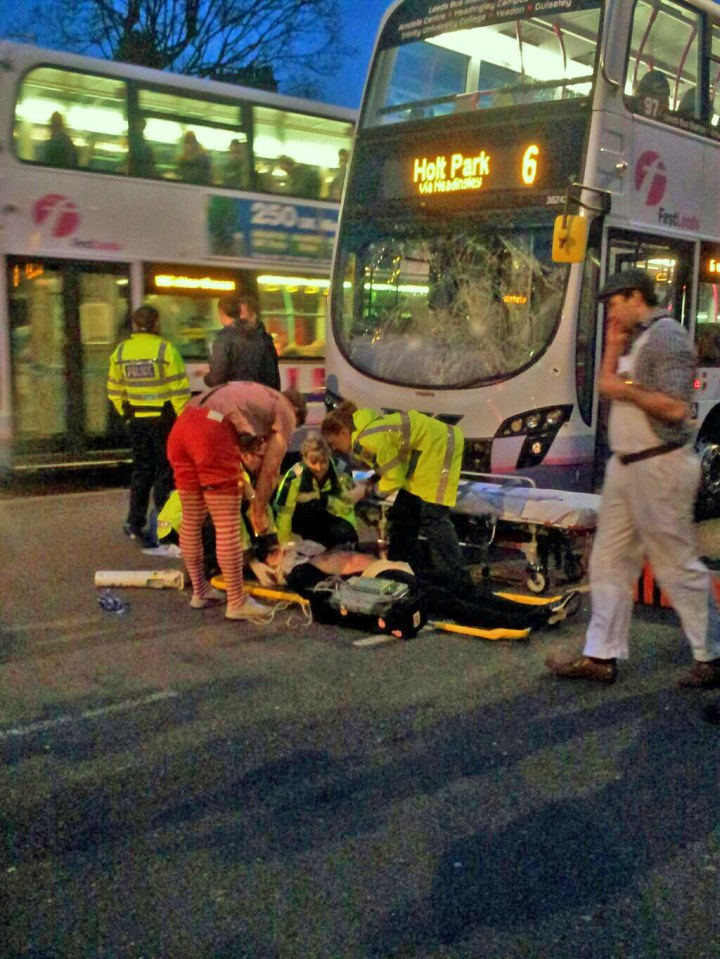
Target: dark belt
(626,458)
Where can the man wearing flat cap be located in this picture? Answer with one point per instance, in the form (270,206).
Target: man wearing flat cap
(652,477)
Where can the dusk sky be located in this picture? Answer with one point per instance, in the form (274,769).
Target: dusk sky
(361,20)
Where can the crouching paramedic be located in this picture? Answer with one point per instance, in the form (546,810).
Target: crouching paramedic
(420,457)
(233,426)
(315,500)
(148,386)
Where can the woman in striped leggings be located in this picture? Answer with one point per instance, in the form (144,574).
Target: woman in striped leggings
(233,425)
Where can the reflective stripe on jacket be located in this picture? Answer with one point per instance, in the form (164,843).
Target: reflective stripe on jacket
(146,372)
(300,486)
(410,451)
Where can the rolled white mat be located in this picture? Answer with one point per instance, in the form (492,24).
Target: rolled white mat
(155,578)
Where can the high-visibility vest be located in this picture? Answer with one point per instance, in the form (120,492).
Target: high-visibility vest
(410,451)
(146,372)
(300,486)
(170,518)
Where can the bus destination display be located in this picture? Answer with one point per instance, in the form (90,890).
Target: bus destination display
(449,173)
(420,19)
(472,163)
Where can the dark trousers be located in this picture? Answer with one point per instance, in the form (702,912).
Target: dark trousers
(313,522)
(443,560)
(151,471)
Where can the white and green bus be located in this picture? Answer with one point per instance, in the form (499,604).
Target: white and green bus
(121,186)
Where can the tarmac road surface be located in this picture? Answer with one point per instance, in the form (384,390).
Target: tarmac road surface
(177,787)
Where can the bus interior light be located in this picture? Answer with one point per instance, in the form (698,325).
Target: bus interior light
(169,282)
(402,288)
(278,281)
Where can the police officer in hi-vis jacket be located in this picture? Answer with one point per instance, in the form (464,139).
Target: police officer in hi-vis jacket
(148,386)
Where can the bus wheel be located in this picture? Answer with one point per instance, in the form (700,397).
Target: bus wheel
(708,503)
(710,463)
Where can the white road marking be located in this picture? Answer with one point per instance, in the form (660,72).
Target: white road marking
(124,706)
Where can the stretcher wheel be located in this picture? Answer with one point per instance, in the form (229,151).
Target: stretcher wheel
(536,581)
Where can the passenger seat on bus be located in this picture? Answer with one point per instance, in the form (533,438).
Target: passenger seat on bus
(652,95)
(686,107)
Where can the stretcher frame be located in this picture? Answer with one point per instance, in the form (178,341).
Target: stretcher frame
(542,524)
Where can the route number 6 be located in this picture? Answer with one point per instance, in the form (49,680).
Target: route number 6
(530,165)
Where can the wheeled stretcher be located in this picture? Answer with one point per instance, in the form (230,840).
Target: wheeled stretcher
(494,512)
(544,524)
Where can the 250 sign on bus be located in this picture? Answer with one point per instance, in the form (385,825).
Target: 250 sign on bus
(286,216)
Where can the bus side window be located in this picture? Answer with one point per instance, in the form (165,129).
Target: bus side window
(195,139)
(714,74)
(68,119)
(288,158)
(659,73)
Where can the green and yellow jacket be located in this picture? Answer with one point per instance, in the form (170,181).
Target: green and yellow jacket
(300,486)
(170,519)
(410,451)
(146,372)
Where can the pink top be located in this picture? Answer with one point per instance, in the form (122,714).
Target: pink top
(251,408)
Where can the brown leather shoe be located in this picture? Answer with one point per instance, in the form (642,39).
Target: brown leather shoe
(584,668)
(702,676)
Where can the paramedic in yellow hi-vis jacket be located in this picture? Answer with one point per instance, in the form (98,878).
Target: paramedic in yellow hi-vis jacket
(420,457)
(316,499)
(148,386)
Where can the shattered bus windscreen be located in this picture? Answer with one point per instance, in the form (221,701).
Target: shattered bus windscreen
(447,309)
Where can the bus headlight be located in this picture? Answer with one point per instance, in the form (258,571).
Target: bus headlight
(556,418)
(535,421)
(540,427)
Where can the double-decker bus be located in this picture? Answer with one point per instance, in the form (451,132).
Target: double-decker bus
(481,122)
(120,186)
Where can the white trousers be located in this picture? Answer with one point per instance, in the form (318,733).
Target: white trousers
(647,512)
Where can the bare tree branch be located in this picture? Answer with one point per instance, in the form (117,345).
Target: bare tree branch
(292,40)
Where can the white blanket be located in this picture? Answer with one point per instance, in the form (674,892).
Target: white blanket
(524,504)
